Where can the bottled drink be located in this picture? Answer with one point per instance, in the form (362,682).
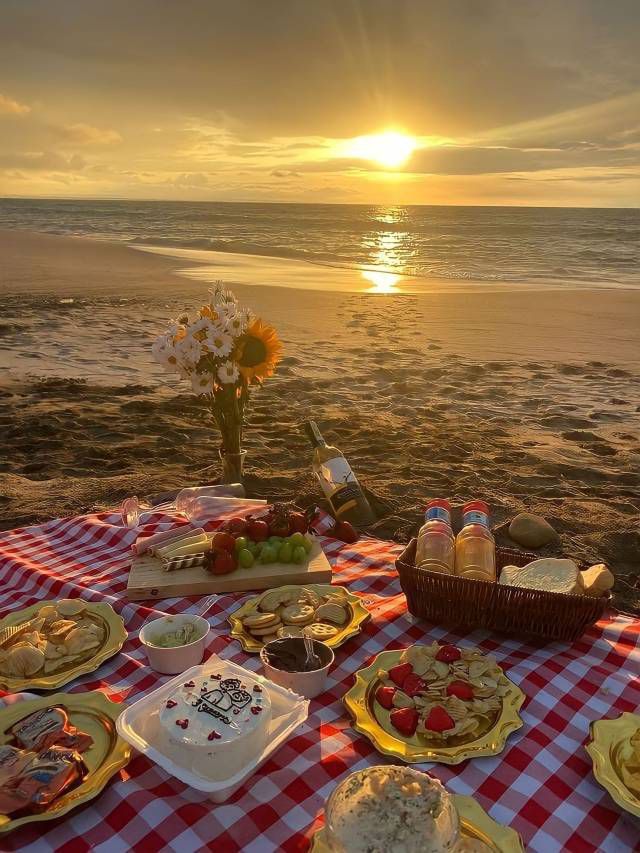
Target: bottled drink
(475,545)
(337,480)
(435,550)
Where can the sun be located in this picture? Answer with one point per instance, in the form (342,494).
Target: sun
(390,149)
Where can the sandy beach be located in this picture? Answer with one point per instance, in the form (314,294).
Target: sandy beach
(525,397)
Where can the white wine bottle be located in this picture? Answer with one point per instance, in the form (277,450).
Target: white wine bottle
(337,480)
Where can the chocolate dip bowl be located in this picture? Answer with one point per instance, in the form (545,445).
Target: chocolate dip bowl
(284,662)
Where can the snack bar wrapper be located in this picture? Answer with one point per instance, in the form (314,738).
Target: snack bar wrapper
(43,780)
(46,727)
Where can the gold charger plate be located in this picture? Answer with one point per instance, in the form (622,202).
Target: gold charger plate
(115,636)
(359,615)
(608,747)
(474,822)
(359,702)
(92,713)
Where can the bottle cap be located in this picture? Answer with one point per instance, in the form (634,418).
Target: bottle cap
(442,502)
(479,506)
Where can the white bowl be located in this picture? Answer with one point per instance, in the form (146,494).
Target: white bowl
(307,684)
(174,660)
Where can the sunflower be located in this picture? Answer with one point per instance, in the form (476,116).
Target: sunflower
(258,351)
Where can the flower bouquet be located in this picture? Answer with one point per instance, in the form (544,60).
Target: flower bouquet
(223,351)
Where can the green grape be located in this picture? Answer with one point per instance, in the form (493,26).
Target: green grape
(297,540)
(268,554)
(241,543)
(275,540)
(285,554)
(246,558)
(299,555)
(253,547)
(307,545)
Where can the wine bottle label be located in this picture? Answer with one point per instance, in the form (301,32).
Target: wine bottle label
(339,484)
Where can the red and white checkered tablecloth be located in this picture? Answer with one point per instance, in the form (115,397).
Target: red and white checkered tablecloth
(541,784)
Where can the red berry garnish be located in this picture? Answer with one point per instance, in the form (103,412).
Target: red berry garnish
(257,688)
(448,654)
(189,684)
(213,735)
(397,674)
(413,684)
(460,689)
(182,723)
(171,703)
(405,720)
(256,709)
(438,720)
(385,695)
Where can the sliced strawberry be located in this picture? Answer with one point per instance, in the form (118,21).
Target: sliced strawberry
(438,720)
(397,674)
(385,695)
(460,689)
(413,684)
(448,654)
(405,720)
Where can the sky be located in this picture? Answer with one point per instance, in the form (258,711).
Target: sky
(516,102)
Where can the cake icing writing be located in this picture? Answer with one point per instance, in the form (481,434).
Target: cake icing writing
(228,696)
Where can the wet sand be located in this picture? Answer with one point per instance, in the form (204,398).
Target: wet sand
(527,398)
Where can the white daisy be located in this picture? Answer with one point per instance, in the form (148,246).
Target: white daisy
(188,352)
(204,324)
(237,324)
(164,353)
(219,342)
(228,373)
(225,311)
(202,383)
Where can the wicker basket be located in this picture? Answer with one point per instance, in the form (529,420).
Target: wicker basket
(469,604)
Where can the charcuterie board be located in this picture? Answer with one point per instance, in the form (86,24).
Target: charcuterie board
(148,579)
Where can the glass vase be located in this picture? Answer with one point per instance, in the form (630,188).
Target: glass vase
(232,466)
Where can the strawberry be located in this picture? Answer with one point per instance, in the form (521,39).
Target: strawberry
(413,684)
(448,654)
(398,673)
(405,720)
(385,695)
(460,689)
(438,720)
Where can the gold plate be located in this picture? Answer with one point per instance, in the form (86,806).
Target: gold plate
(115,636)
(608,747)
(474,822)
(92,713)
(359,615)
(359,703)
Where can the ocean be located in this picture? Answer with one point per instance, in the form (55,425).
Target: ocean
(557,246)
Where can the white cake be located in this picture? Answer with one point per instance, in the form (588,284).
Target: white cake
(215,725)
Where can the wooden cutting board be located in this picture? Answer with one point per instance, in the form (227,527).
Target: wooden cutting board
(147,578)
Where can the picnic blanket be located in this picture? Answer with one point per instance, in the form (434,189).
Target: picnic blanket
(541,784)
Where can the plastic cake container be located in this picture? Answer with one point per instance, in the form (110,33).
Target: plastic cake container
(139,722)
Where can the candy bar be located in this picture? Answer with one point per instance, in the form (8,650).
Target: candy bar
(176,563)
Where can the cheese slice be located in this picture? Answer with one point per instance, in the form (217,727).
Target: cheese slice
(184,546)
(548,575)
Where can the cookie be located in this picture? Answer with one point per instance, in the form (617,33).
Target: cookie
(297,614)
(309,596)
(320,631)
(273,599)
(289,631)
(332,612)
(259,620)
(265,629)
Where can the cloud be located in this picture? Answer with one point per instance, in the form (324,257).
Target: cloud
(86,134)
(190,180)
(9,106)
(42,160)
(284,173)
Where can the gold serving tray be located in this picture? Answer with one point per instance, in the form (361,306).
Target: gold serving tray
(92,713)
(474,822)
(359,615)
(115,636)
(608,747)
(359,702)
